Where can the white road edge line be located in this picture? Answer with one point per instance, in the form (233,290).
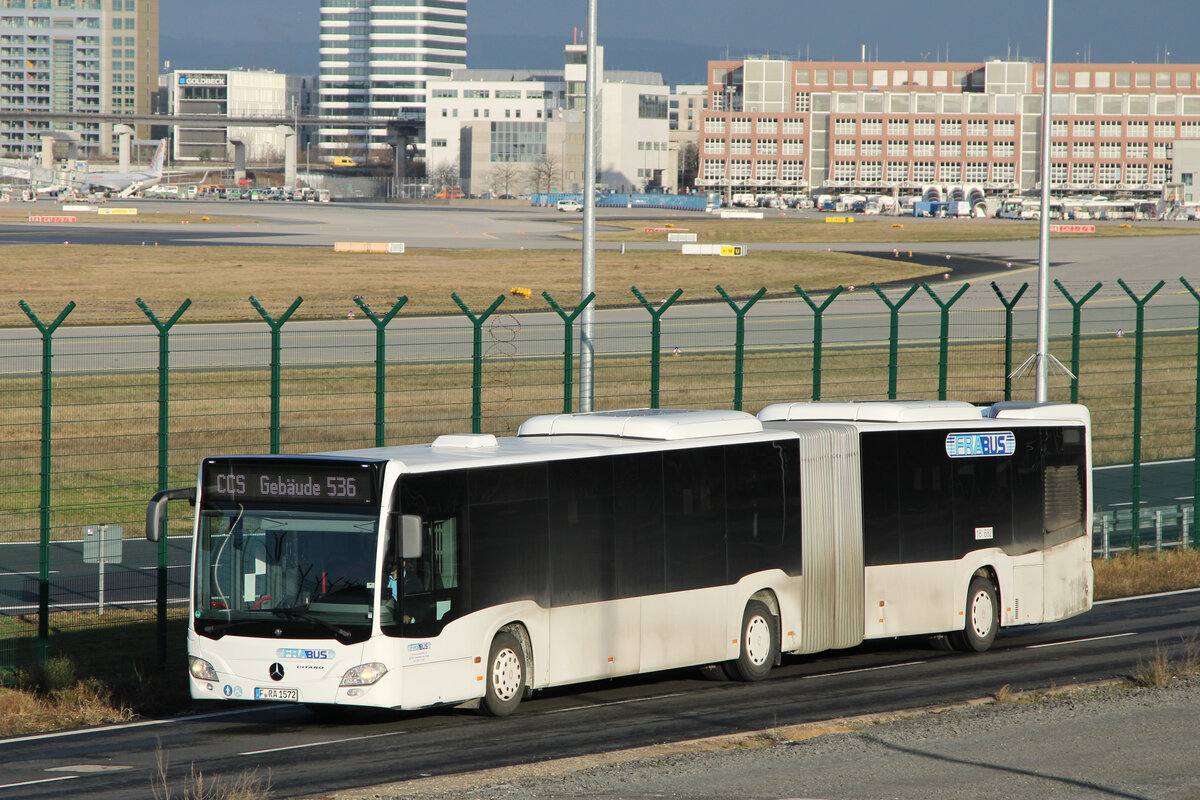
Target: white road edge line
(41,780)
(864,669)
(1080,641)
(128,725)
(611,703)
(1144,597)
(319,744)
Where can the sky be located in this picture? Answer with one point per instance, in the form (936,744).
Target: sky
(678,37)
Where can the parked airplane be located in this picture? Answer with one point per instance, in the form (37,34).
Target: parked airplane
(126,183)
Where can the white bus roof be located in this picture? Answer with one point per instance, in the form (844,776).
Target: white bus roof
(873,411)
(643,423)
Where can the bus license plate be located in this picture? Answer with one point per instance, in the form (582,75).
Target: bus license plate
(275,693)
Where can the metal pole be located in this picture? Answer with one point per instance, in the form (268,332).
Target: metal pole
(1041,393)
(587,347)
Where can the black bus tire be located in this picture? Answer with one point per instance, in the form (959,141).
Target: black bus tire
(982,617)
(506,676)
(758,644)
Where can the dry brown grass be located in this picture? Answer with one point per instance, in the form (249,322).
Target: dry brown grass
(1125,575)
(85,702)
(106,280)
(773,228)
(1167,664)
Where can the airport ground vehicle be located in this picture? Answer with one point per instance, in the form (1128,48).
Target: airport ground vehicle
(344,161)
(569,205)
(613,543)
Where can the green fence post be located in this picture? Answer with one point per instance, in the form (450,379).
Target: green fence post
(739,343)
(44,493)
(568,343)
(164,438)
(1139,343)
(276,325)
(893,335)
(944,335)
(1009,305)
(380,360)
(655,338)
(1196,440)
(818,334)
(477,359)
(1076,323)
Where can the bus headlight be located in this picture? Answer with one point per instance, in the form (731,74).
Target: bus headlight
(364,674)
(201,669)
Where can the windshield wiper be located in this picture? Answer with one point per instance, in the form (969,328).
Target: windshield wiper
(302,613)
(224,626)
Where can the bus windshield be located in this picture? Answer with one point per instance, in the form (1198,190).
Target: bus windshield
(306,571)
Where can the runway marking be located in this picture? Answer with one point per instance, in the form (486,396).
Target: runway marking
(1080,641)
(40,780)
(864,669)
(319,744)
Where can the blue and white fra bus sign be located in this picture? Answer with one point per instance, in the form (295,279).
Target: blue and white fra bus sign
(984,443)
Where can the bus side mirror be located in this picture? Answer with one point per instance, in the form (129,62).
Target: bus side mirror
(410,536)
(156,510)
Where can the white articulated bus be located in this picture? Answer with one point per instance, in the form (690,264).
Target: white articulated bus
(595,545)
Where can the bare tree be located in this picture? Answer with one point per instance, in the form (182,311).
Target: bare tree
(689,165)
(445,174)
(543,174)
(502,177)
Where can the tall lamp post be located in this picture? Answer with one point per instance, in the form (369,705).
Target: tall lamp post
(1041,359)
(587,347)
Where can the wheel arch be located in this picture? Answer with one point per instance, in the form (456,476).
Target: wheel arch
(520,631)
(989,572)
(770,599)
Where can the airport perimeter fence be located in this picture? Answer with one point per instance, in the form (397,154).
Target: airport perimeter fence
(94,420)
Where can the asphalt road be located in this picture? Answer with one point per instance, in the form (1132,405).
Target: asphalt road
(306,757)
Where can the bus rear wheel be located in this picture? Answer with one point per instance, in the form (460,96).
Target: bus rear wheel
(982,617)
(759,644)
(505,676)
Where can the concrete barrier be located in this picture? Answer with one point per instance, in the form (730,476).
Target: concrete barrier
(368,247)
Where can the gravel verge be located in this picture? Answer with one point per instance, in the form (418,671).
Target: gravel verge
(1096,741)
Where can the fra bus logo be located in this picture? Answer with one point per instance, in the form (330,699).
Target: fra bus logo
(982,443)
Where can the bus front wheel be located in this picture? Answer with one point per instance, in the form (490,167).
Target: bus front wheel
(759,645)
(505,676)
(982,617)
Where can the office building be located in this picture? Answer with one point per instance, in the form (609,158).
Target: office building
(78,56)
(515,131)
(235,93)
(376,59)
(789,127)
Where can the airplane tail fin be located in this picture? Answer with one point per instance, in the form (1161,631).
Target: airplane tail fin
(159,160)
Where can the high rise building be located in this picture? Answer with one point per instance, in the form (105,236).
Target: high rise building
(376,57)
(81,56)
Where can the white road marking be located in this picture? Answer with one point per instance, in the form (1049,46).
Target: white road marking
(612,703)
(864,669)
(1079,641)
(127,726)
(1144,596)
(319,744)
(40,780)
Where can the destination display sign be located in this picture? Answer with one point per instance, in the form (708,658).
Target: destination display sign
(323,482)
(980,443)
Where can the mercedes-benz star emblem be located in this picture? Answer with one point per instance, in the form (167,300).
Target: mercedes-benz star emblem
(276,671)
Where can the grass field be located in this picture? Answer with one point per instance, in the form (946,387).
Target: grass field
(778,229)
(104,281)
